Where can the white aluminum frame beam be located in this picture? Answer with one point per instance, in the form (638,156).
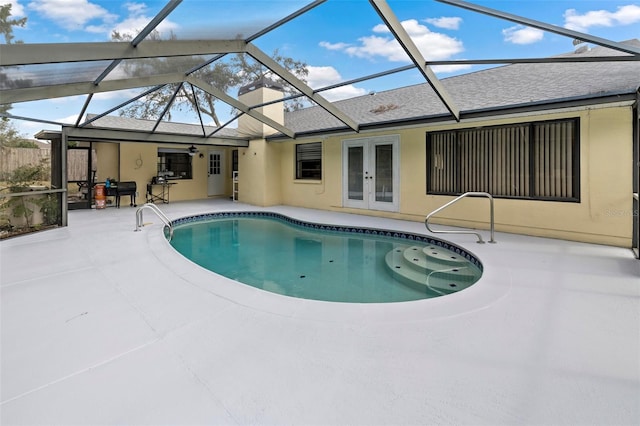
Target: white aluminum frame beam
(416,57)
(73,89)
(622,47)
(219,94)
(53,53)
(294,81)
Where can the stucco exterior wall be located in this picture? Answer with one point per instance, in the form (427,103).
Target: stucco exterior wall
(138,162)
(108,161)
(267,177)
(260,173)
(605,183)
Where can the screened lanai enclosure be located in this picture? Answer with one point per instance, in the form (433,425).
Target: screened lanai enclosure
(172,77)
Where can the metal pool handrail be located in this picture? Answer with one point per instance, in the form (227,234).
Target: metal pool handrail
(158,212)
(449,231)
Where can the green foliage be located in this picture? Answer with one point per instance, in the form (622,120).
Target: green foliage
(9,135)
(28,174)
(6,29)
(20,143)
(7,24)
(49,207)
(21,206)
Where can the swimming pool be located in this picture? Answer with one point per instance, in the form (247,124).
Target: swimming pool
(307,260)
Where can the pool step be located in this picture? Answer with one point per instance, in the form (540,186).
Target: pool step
(430,267)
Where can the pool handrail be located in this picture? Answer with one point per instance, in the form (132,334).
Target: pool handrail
(158,212)
(451,231)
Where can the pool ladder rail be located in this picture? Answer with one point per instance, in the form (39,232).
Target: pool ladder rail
(451,231)
(158,212)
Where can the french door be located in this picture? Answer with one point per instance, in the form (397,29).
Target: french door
(371,172)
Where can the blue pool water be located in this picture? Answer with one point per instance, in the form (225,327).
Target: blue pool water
(320,262)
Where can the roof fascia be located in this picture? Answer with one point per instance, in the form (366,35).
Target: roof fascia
(115,135)
(73,89)
(214,91)
(622,47)
(416,57)
(552,60)
(475,115)
(52,53)
(294,81)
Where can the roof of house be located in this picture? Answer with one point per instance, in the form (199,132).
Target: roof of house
(140,125)
(483,92)
(499,88)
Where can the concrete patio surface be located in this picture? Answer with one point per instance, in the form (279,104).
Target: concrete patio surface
(101,325)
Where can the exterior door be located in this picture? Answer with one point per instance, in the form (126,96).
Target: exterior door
(215,173)
(370,173)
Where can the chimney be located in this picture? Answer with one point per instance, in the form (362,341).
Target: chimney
(256,93)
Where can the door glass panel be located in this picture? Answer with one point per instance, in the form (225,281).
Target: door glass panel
(384,173)
(355,167)
(215,164)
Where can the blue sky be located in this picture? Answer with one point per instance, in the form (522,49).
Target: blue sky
(339,40)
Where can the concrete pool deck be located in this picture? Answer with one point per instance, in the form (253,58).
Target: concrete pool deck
(103,325)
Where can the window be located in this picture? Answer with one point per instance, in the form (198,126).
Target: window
(174,164)
(309,161)
(531,160)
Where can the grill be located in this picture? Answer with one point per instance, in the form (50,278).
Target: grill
(126,188)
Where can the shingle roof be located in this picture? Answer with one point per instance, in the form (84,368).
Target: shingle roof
(496,88)
(133,124)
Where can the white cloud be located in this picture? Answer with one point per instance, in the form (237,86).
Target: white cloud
(522,35)
(134,24)
(116,95)
(624,15)
(333,46)
(432,45)
(93,18)
(136,8)
(325,76)
(17,10)
(446,22)
(322,76)
(71,14)
(446,69)
(138,19)
(70,119)
(344,92)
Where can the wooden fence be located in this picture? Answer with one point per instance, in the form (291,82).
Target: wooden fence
(12,158)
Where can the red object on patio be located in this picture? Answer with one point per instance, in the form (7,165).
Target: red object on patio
(101,196)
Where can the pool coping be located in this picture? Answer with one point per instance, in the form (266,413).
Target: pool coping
(490,288)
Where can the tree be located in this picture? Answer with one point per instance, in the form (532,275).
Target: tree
(8,133)
(222,75)
(7,24)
